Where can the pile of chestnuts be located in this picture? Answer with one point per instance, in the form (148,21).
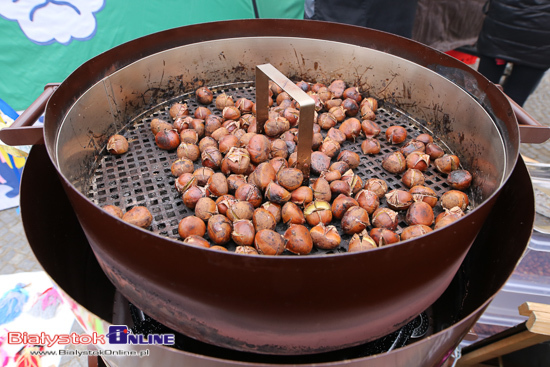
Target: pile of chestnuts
(248,192)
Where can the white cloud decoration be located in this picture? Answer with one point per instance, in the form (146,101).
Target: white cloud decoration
(49,21)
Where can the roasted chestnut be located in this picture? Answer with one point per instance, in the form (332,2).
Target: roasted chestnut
(425,194)
(217,185)
(370,128)
(399,199)
(366,113)
(340,166)
(302,196)
(219,229)
(453,198)
(447,163)
(351,158)
(361,242)
(448,216)
(227,142)
(258,148)
(412,146)
(420,213)
(274,209)
(247,250)
(378,186)
(291,213)
(330,147)
(340,187)
(425,138)
(413,231)
(263,219)
(192,195)
(318,212)
(321,189)
(243,233)
(351,128)
(320,162)
(279,148)
(189,151)
(459,179)
(355,220)
(385,218)
(276,193)
(326,120)
(342,203)
(396,134)
(205,208)
(190,226)
(182,123)
(181,166)
(298,240)
(394,162)
(117,145)
(370,146)
(325,237)
(203,174)
(178,110)
(113,210)
(269,242)
(289,178)
(383,236)
(204,95)
(417,160)
(223,203)
(238,160)
(234,181)
(355,181)
(251,193)
(139,216)
(167,139)
(197,241)
(159,125)
(351,107)
(211,124)
(211,158)
(202,113)
(224,100)
(434,151)
(184,181)
(413,177)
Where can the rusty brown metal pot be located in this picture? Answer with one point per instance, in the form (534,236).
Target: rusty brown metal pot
(284,305)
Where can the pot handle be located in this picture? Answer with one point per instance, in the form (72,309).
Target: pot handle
(266,72)
(530,130)
(21,132)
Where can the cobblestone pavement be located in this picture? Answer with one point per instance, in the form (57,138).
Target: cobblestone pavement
(16,255)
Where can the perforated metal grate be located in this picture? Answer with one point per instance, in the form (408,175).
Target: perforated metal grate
(143,176)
